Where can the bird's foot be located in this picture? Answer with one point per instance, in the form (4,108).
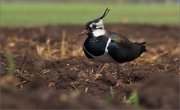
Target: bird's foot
(119,82)
(98,74)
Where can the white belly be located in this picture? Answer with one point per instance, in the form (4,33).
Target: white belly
(106,58)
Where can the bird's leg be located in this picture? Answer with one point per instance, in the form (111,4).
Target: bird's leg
(119,74)
(98,74)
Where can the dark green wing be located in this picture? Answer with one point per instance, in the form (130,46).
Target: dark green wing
(123,50)
(120,40)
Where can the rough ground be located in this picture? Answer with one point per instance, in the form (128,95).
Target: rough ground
(52,71)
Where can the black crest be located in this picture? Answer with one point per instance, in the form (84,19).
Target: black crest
(105,13)
(97,20)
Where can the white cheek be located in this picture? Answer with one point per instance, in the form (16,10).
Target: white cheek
(99,32)
(90,25)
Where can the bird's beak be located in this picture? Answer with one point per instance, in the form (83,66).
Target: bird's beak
(83,32)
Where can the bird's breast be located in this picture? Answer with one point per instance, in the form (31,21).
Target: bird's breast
(95,46)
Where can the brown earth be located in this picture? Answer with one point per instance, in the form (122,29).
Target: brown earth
(52,71)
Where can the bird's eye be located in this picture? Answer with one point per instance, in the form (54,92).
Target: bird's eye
(93,26)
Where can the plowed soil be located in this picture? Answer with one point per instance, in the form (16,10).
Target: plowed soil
(51,70)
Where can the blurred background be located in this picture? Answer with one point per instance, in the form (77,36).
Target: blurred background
(42,12)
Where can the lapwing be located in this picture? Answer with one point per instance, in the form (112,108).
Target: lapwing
(109,47)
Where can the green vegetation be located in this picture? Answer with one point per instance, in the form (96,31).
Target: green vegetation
(133,98)
(11,64)
(112,94)
(76,13)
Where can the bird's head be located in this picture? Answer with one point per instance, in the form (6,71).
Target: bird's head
(95,27)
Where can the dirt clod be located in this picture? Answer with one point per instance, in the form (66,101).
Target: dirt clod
(108,79)
(160,91)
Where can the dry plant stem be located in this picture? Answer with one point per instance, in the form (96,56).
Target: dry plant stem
(23,66)
(21,83)
(90,82)
(63,45)
(162,54)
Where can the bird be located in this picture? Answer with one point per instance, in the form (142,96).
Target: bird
(109,47)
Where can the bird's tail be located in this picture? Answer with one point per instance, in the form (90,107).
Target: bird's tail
(143,47)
